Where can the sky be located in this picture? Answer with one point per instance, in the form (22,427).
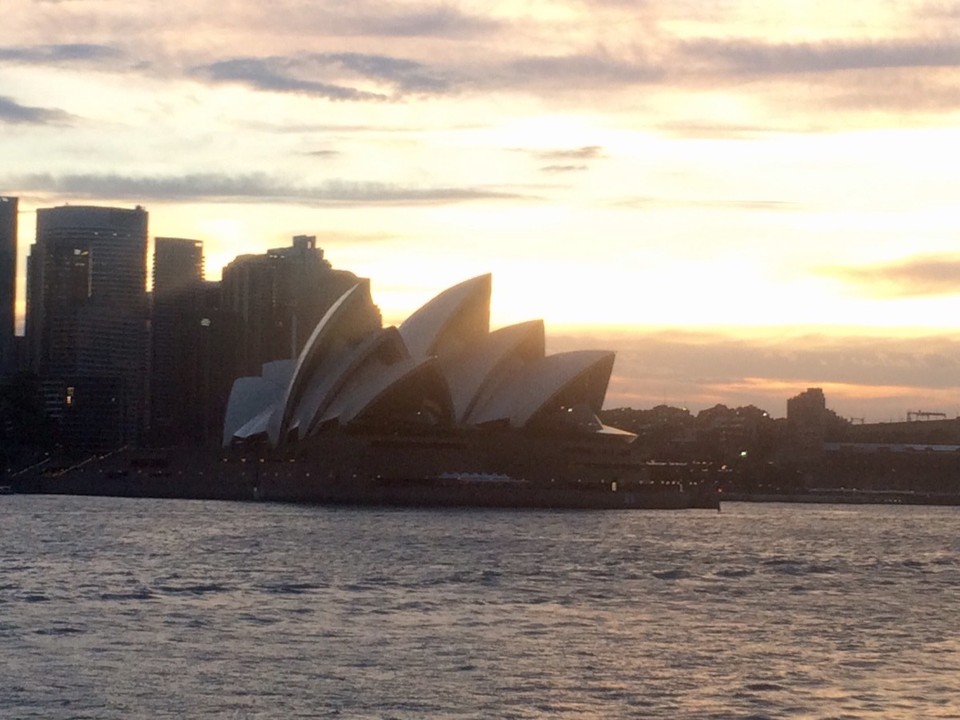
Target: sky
(742,199)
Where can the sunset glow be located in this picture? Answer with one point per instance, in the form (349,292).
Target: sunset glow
(657,178)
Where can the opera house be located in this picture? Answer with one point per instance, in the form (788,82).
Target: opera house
(442,369)
(439,410)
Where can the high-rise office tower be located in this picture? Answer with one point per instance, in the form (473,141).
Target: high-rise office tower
(87,320)
(8,284)
(176,370)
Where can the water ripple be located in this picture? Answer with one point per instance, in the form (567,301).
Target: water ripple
(117,608)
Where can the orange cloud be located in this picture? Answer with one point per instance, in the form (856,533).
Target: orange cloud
(922,275)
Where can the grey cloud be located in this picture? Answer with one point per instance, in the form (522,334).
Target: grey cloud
(59,54)
(14,113)
(304,74)
(407,75)
(750,57)
(275,74)
(566,160)
(582,70)
(587,152)
(912,76)
(443,21)
(913,277)
(249,188)
(376,18)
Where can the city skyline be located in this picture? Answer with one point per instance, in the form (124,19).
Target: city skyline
(670,366)
(749,201)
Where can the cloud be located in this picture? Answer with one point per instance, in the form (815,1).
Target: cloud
(214,187)
(564,168)
(901,91)
(750,57)
(566,160)
(278,75)
(920,276)
(496,58)
(587,152)
(64,54)
(913,76)
(13,113)
(327,75)
(435,21)
(406,75)
(578,71)
(374,19)
(704,128)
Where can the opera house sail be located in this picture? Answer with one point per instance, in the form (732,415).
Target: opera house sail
(440,410)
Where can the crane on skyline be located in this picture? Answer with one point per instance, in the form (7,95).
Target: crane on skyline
(923,415)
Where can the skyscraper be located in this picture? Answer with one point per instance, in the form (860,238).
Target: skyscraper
(8,283)
(177,264)
(176,371)
(87,319)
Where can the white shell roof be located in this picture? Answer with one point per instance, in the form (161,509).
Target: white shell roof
(460,313)
(333,377)
(347,322)
(475,374)
(278,372)
(376,387)
(582,375)
(249,396)
(257,425)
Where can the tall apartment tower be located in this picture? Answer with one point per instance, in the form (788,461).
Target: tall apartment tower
(275,300)
(176,358)
(8,284)
(807,420)
(87,321)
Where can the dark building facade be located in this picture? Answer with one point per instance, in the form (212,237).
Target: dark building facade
(175,341)
(807,417)
(87,321)
(273,301)
(8,284)
(217,330)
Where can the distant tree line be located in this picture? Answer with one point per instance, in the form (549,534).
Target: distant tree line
(717,434)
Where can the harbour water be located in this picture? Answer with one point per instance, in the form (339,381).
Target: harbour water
(121,608)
